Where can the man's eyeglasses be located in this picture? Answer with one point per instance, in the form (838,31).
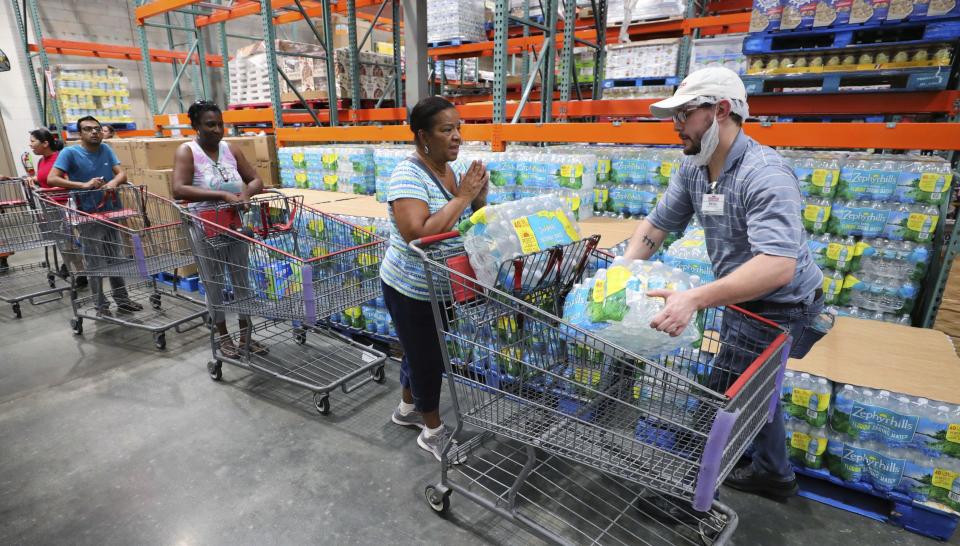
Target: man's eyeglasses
(680,116)
(90,129)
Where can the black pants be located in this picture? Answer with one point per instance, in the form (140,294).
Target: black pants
(421,369)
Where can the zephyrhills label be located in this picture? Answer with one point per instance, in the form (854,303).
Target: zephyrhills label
(890,424)
(885,472)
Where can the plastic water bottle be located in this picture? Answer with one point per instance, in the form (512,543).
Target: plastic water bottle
(904,407)
(786,390)
(819,403)
(861,429)
(940,418)
(840,413)
(381,321)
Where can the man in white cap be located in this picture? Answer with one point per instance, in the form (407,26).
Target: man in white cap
(748,201)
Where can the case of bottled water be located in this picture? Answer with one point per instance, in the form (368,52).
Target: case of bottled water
(815,213)
(385,160)
(893,259)
(345,168)
(614,304)
(888,441)
(689,254)
(497,233)
(817,172)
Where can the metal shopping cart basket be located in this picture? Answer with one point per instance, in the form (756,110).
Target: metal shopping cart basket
(291,267)
(20,230)
(126,233)
(670,427)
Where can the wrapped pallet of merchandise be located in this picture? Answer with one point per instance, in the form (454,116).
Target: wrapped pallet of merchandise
(250,72)
(456,20)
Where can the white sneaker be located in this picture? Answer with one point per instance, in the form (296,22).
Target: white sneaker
(435,444)
(412,419)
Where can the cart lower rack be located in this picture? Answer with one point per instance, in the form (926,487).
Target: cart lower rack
(572,503)
(318,359)
(676,424)
(164,309)
(37,283)
(21,230)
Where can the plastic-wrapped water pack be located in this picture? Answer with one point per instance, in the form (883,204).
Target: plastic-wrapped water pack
(614,305)
(497,233)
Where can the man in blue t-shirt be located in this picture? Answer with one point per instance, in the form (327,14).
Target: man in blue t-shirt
(93,166)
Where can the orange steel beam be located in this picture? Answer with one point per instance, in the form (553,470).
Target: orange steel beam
(945,102)
(317,11)
(265,115)
(247,8)
(384,23)
(714,24)
(111,51)
(159,7)
(371,133)
(242,9)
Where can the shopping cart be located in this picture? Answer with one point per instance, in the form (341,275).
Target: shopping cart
(672,426)
(127,233)
(290,267)
(20,230)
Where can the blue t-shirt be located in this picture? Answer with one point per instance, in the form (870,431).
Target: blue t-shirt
(82,166)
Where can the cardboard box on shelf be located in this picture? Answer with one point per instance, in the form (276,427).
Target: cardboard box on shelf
(122,149)
(161,240)
(155,153)
(246,145)
(319,94)
(266,148)
(159,182)
(269,173)
(134,175)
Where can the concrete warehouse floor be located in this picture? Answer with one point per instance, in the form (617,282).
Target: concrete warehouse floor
(106,440)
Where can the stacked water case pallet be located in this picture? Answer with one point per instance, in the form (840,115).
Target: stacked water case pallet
(285,268)
(124,235)
(890,457)
(554,402)
(21,228)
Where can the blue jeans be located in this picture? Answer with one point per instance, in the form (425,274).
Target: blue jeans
(421,370)
(769,449)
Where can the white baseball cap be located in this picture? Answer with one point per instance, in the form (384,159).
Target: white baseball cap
(714,82)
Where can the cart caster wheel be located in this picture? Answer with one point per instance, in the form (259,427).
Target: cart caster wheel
(51,280)
(379,375)
(16,310)
(215,369)
(155,301)
(64,273)
(160,341)
(77,325)
(322,402)
(300,337)
(439,502)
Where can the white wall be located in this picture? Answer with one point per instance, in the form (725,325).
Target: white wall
(16,100)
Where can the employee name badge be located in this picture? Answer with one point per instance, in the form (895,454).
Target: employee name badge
(712,204)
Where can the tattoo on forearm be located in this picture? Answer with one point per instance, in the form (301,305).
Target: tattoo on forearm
(649,242)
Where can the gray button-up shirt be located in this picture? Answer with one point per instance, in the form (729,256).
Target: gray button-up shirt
(761,215)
